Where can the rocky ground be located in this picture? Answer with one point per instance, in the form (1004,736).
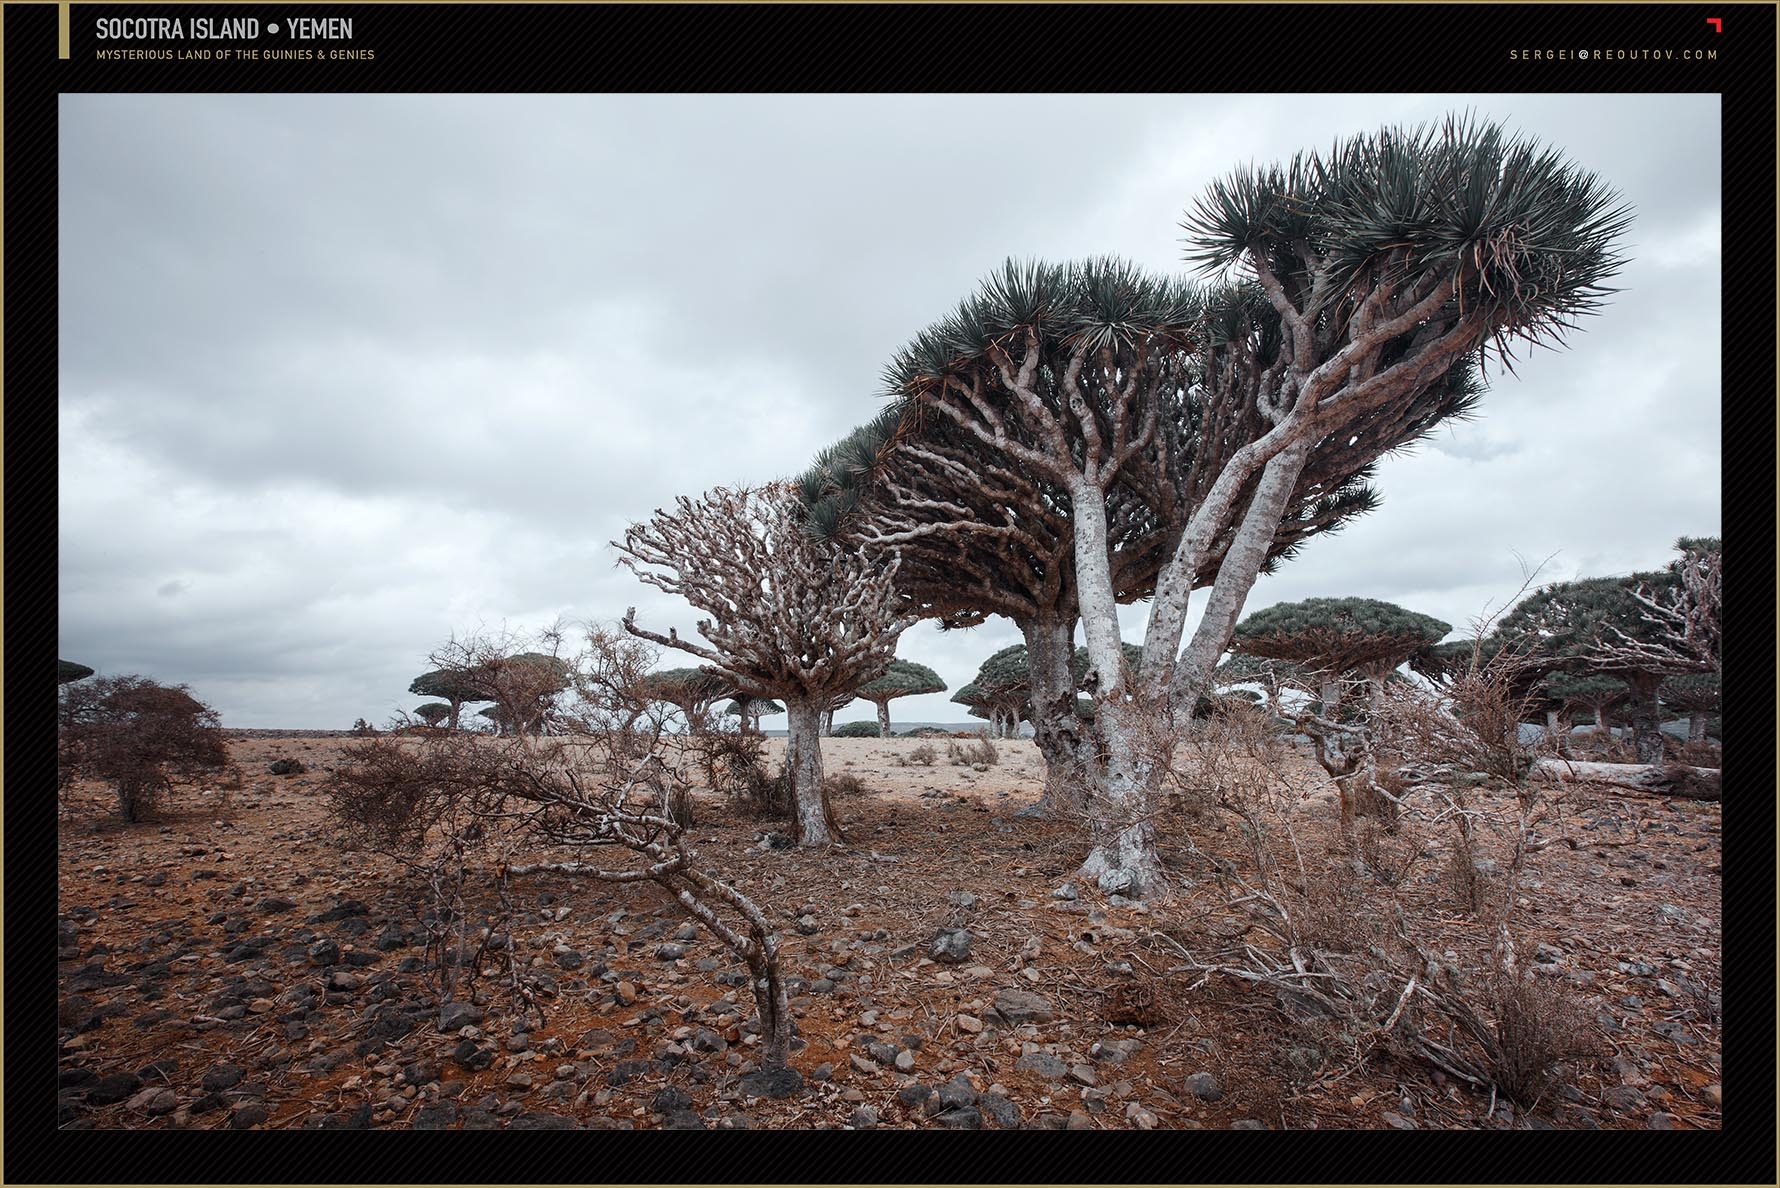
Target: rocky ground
(235,965)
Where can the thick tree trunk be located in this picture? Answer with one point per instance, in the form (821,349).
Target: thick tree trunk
(1055,728)
(1696,727)
(883,719)
(1122,776)
(1122,854)
(803,761)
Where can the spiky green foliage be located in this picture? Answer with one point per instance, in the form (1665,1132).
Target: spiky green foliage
(1337,636)
(68,670)
(454,686)
(1007,544)
(905,678)
(855,730)
(1563,625)
(758,707)
(683,686)
(1528,238)
(433,712)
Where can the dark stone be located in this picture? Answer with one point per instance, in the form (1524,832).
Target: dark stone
(772,1082)
(476,1118)
(951,946)
(324,952)
(1043,1064)
(956,1094)
(683,1120)
(669,1099)
(391,938)
(421,1072)
(68,1078)
(272,905)
(472,1056)
(113,1088)
(1247,1124)
(1004,1112)
(963,1118)
(541,1122)
(222,1076)
(345,909)
(160,1070)
(249,1116)
(1205,1087)
(670,952)
(626,1071)
(437,1116)
(914,1096)
(454,1015)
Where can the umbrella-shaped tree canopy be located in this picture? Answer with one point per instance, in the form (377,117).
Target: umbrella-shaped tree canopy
(904,678)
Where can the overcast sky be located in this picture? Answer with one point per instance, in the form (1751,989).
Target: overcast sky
(341,375)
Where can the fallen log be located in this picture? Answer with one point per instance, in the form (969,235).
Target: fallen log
(1647,779)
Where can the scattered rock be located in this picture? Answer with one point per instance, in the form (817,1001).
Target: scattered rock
(155,1101)
(1043,1064)
(437,1116)
(683,1120)
(114,1088)
(1713,1095)
(222,1076)
(1397,1120)
(1003,1112)
(961,899)
(1115,882)
(1248,1124)
(969,1024)
(1024,1006)
(1624,1098)
(951,946)
(1205,1087)
(965,1117)
(456,1015)
(772,1082)
(864,1118)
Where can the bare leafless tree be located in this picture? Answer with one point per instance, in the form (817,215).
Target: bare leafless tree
(791,616)
(614,786)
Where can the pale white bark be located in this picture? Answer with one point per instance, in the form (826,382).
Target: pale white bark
(803,759)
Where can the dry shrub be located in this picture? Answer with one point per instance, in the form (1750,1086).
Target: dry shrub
(1524,1029)
(136,735)
(844,785)
(978,750)
(924,754)
(735,765)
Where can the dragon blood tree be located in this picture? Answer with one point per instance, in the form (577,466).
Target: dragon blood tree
(1337,639)
(1088,434)
(904,678)
(791,616)
(692,691)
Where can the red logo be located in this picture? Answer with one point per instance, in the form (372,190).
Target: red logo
(1717,24)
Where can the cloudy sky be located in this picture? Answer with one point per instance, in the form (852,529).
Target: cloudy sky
(341,375)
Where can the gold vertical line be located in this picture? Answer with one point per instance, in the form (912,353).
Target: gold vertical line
(62,29)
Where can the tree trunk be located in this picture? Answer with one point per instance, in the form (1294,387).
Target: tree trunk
(827,722)
(1122,854)
(1236,577)
(1055,728)
(1696,727)
(456,705)
(803,761)
(1647,735)
(1123,777)
(884,719)
(1663,779)
(1331,698)
(775,1011)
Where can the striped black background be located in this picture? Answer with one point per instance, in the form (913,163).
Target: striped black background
(942,47)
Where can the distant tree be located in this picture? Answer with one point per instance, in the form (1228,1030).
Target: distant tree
(1695,695)
(136,735)
(433,712)
(749,710)
(905,678)
(691,690)
(1337,639)
(792,616)
(456,686)
(856,730)
(68,670)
